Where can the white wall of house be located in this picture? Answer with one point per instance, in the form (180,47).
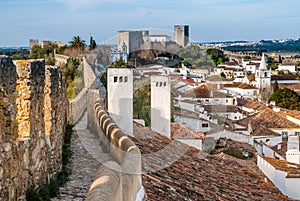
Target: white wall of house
(292,187)
(232,115)
(250,93)
(276,176)
(288,131)
(288,186)
(216,101)
(196,143)
(293,156)
(251,68)
(231,135)
(193,123)
(187,106)
(290,68)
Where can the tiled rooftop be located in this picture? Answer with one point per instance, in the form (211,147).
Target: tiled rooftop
(257,106)
(196,175)
(217,78)
(179,131)
(203,92)
(239,85)
(264,120)
(284,77)
(251,77)
(282,150)
(221,108)
(292,169)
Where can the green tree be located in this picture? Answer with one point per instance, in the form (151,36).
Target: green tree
(280,59)
(77,43)
(276,87)
(271,63)
(286,98)
(93,44)
(71,72)
(217,56)
(36,52)
(142,100)
(194,55)
(186,63)
(118,64)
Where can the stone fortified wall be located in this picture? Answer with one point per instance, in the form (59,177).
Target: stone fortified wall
(60,59)
(79,104)
(33,118)
(119,179)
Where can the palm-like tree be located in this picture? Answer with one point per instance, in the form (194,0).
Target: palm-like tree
(77,43)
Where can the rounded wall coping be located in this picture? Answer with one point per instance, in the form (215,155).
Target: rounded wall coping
(112,131)
(106,186)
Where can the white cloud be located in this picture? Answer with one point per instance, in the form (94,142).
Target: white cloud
(77,4)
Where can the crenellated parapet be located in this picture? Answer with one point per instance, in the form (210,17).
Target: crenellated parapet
(33,118)
(124,174)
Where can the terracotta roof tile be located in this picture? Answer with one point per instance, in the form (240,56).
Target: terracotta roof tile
(284,77)
(264,120)
(197,175)
(179,131)
(292,169)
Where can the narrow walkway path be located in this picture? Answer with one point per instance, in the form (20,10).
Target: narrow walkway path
(86,160)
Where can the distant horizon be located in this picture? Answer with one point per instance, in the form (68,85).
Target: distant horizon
(226,41)
(209,20)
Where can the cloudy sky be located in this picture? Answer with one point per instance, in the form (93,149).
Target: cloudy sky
(209,20)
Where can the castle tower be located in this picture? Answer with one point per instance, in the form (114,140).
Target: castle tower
(124,55)
(263,79)
(293,153)
(120,97)
(33,42)
(132,39)
(181,35)
(161,105)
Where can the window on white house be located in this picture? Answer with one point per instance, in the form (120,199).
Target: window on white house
(125,79)
(120,79)
(115,79)
(205,125)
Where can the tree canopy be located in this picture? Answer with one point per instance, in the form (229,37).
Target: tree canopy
(217,56)
(93,44)
(286,98)
(193,55)
(77,43)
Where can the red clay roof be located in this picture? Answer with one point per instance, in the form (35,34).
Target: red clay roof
(251,77)
(239,85)
(197,175)
(221,108)
(179,131)
(284,77)
(264,120)
(292,169)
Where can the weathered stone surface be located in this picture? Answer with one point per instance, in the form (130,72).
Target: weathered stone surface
(28,91)
(86,160)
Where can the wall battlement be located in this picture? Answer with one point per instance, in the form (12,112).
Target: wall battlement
(33,118)
(124,175)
